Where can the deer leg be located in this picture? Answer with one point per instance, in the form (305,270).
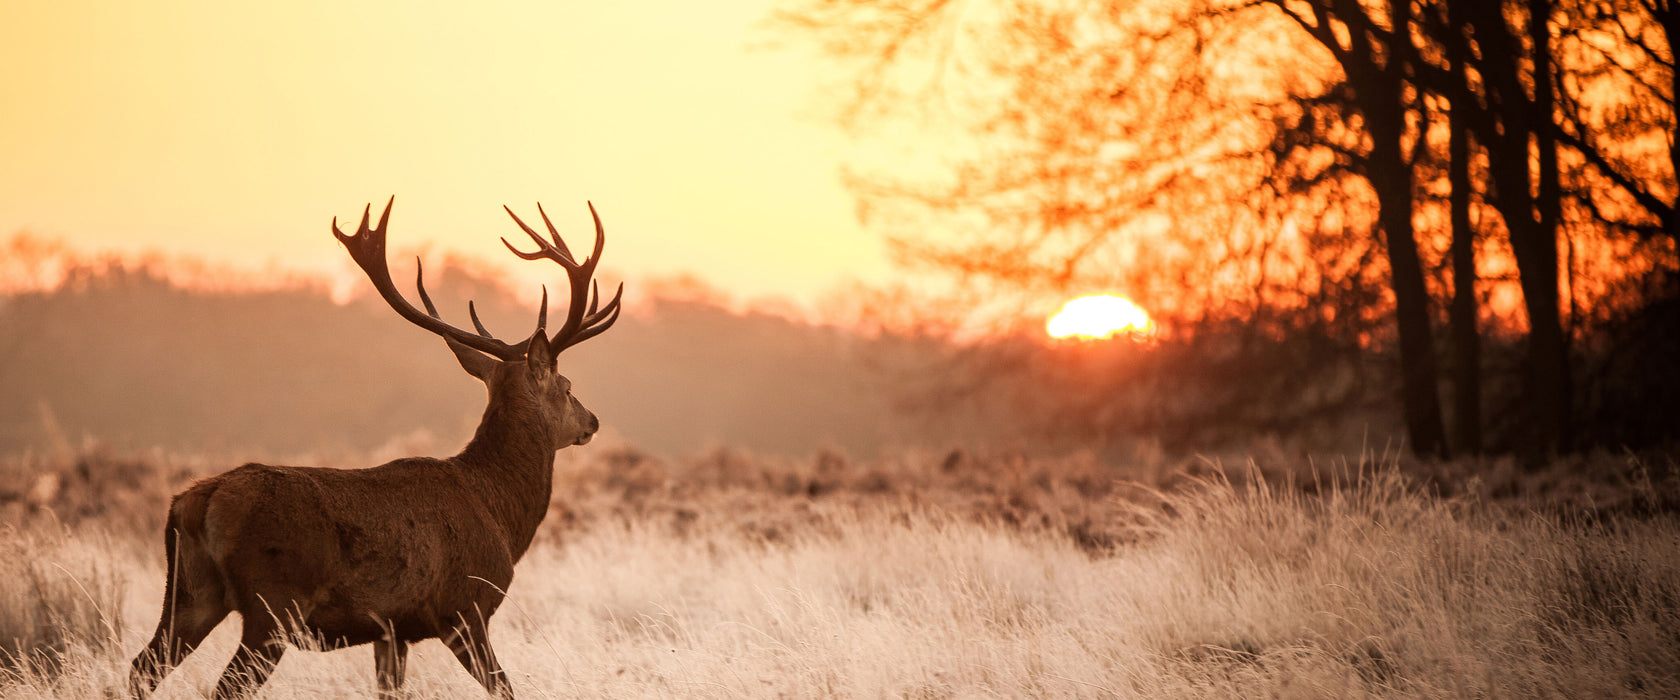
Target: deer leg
(176,637)
(259,650)
(192,606)
(472,648)
(390,659)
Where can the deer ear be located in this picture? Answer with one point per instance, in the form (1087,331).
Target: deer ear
(474,362)
(538,355)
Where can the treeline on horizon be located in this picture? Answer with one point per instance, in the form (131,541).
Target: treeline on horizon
(137,352)
(119,352)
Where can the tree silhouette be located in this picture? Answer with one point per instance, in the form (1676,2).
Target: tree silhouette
(1244,146)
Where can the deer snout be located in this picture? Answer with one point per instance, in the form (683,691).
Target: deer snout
(591,424)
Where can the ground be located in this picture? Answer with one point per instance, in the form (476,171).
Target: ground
(955,575)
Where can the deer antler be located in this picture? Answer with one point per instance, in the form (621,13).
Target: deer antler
(367,248)
(583,320)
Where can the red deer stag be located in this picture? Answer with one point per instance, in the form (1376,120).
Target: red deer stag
(410,550)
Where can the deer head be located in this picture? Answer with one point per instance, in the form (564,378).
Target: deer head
(521,378)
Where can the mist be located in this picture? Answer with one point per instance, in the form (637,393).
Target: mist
(121,357)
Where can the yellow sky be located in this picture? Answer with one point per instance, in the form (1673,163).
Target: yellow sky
(238,130)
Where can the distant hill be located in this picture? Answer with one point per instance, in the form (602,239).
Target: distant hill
(123,356)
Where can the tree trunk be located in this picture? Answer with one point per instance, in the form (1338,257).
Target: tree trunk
(1466,340)
(1529,202)
(1548,344)
(1379,90)
(1392,179)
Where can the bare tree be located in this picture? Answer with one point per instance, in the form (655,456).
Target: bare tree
(413,549)
(1123,142)
(1175,148)
(1374,50)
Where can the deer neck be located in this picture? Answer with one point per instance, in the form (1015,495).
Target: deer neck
(510,460)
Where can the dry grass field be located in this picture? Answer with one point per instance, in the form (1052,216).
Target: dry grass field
(953,575)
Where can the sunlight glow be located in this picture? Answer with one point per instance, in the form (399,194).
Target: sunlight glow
(1099,316)
(163,127)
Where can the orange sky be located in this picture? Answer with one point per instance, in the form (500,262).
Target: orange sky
(237,131)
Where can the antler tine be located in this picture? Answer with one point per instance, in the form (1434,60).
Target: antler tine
(420,284)
(598,323)
(542,314)
(430,309)
(477,324)
(580,275)
(542,311)
(600,238)
(367,248)
(554,233)
(384,216)
(544,248)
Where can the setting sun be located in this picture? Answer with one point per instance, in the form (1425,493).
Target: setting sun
(1098,316)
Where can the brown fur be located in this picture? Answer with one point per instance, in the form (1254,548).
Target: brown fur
(412,549)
